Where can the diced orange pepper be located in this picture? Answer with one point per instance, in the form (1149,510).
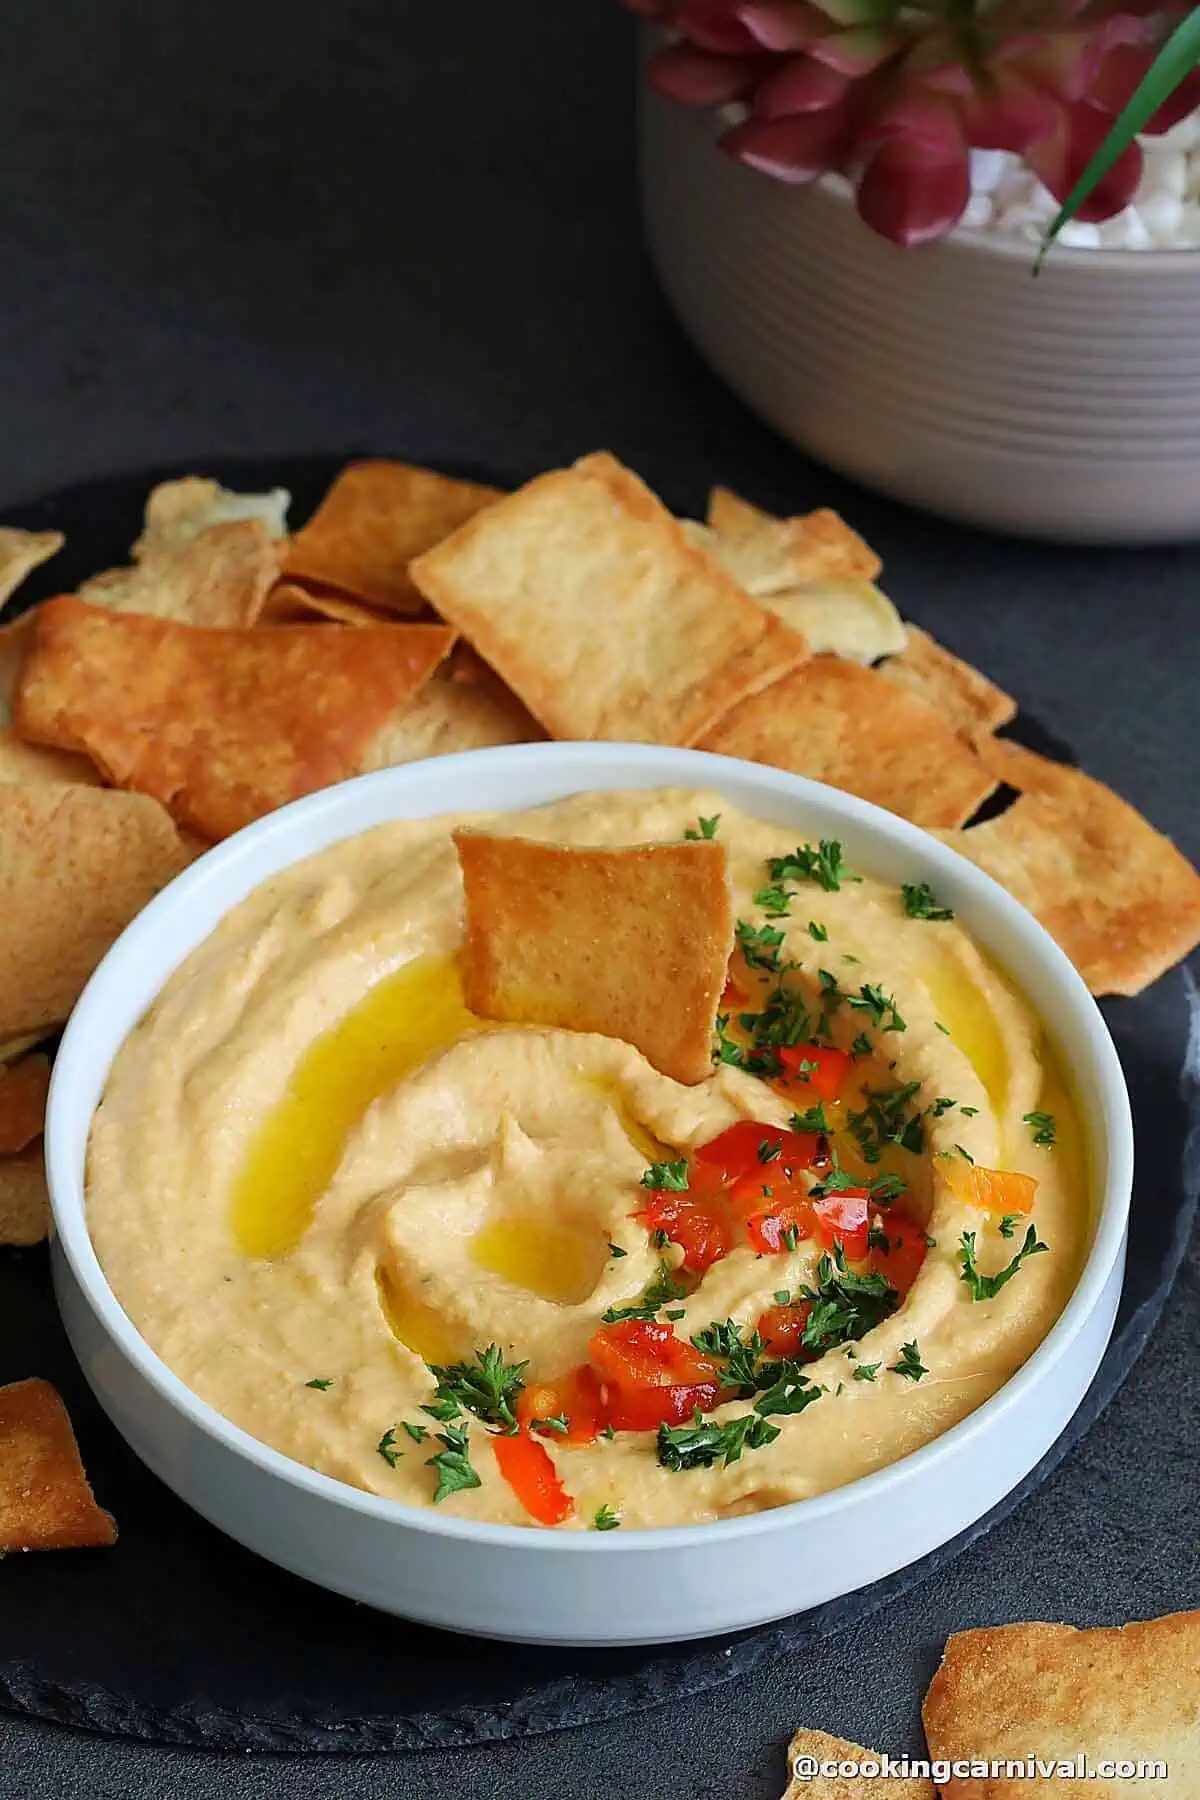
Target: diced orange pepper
(529,1470)
(995,1190)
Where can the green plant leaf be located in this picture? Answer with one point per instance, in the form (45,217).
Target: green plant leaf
(1174,62)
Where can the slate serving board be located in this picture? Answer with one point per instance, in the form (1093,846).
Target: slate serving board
(180,1636)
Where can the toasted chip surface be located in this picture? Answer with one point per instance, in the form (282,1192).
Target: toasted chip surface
(1012,1691)
(1117,896)
(220,726)
(21,552)
(45,1500)
(965,698)
(848,618)
(631,942)
(76,865)
(374,520)
(23,1089)
(839,723)
(181,509)
(769,555)
(583,594)
(818,1748)
(24,1200)
(290,603)
(464,706)
(217,577)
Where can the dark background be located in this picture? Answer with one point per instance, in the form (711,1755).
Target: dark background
(256,229)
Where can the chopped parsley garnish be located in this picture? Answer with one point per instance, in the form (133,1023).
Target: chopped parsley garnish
(920,902)
(965,1154)
(877,1238)
(884,1121)
(882,1007)
(387,1447)
(910,1364)
(784,1020)
(791,1237)
(781,1296)
(774,901)
(867,1371)
(320,1382)
(659,1238)
(609,1432)
(1043,1127)
(559,1423)
(812,1119)
(701,1445)
(968,1112)
(789,1393)
(862,1045)
(708,828)
(604,1519)
(831,998)
(759,945)
(823,865)
(767,1151)
(944,1029)
(488,1388)
(817,933)
(616,1250)
(986,1287)
(665,1288)
(883,1190)
(453,1463)
(845,1305)
(418,1433)
(1008,1224)
(667,1177)
(738,1356)
(849,956)
(941,1105)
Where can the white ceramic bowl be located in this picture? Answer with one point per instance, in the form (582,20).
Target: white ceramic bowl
(579,1588)
(1064,407)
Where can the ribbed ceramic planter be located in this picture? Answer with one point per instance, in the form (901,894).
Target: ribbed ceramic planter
(1064,407)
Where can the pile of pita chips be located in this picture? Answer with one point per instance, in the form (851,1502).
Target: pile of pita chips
(178,510)
(818,1750)
(45,1500)
(584,594)
(1130,1693)
(633,943)
(21,552)
(220,726)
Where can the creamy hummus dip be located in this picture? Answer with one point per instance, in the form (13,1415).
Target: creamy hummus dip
(314,1174)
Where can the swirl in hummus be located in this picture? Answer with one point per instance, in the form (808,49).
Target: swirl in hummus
(314,1175)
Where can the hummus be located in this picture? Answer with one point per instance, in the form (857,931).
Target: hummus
(314,1173)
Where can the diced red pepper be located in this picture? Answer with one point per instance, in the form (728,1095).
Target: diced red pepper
(772,1230)
(529,1470)
(648,1376)
(781,1328)
(732,995)
(824,1082)
(574,1396)
(701,1227)
(843,1219)
(901,1262)
(736,1151)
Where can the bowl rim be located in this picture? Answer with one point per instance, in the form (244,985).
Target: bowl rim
(293,828)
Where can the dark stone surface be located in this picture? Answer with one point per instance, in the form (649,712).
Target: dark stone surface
(260,230)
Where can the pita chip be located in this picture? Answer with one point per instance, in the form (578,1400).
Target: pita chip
(220,726)
(769,555)
(23,1089)
(178,510)
(632,942)
(817,1749)
(845,725)
(217,577)
(374,520)
(24,1199)
(76,865)
(849,618)
(1117,896)
(30,762)
(290,604)
(45,1500)
(21,552)
(1129,1693)
(965,698)
(582,592)
(463,706)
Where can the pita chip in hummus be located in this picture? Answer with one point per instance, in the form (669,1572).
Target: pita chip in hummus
(21,552)
(374,520)
(220,726)
(1129,1693)
(631,942)
(45,1500)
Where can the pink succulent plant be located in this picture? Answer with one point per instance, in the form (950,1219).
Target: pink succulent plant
(896,95)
